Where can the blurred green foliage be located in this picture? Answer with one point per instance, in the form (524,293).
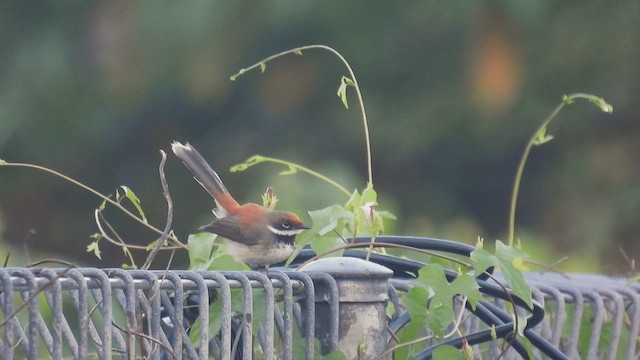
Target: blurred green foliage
(453,91)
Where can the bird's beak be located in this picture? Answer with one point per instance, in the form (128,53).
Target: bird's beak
(303,227)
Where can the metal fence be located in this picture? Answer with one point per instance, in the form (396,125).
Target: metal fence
(333,304)
(88,313)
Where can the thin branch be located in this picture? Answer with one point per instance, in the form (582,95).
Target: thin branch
(99,215)
(352,75)
(293,167)
(167,226)
(96,193)
(144,336)
(520,171)
(549,268)
(566,100)
(53,261)
(457,321)
(370,249)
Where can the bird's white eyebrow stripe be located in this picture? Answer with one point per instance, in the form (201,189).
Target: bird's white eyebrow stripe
(292,232)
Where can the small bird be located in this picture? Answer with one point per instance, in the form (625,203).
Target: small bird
(253,234)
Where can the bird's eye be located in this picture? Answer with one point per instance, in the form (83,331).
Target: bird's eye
(286,225)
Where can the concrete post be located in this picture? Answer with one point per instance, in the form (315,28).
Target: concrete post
(363,294)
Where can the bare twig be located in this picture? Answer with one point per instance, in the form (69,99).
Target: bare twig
(298,51)
(125,247)
(167,226)
(552,267)
(53,261)
(97,342)
(144,336)
(96,193)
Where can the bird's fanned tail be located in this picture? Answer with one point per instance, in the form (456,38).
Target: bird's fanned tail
(204,174)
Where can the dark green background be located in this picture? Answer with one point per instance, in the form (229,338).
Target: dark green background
(453,91)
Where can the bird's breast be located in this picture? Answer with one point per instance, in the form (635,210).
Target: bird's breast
(259,254)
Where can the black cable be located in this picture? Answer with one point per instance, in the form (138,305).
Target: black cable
(400,266)
(488,313)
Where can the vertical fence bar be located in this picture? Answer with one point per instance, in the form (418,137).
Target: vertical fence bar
(225,297)
(7,309)
(129,306)
(246,325)
(53,293)
(31,297)
(308,316)
(269,306)
(287,327)
(102,295)
(79,300)
(203,310)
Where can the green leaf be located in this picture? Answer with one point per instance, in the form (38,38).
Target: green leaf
(439,318)
(355,201)
(290,170)
(103,204)
(386,215)
(326,220)
(152,245)
(226,263)
(504,260)
(320,236)
(608,108)
(435,288)
(415,302)
(342,90)
(134,200)
(369,194)
(466,285)
(325,244)
(598,101)
(200,251)
(215,323)
(263,67)
(93,247)
(238,74)
(433,276)
(542,137)
(448,352)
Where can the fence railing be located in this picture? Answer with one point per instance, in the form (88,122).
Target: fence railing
(337,304)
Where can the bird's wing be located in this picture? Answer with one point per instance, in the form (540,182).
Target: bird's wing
(228,228)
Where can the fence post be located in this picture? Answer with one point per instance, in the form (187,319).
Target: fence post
(363,296)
